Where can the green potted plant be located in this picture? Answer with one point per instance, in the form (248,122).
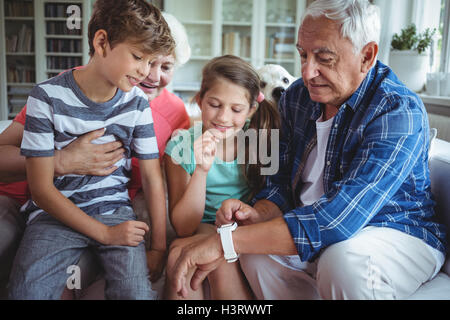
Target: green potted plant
(409,56)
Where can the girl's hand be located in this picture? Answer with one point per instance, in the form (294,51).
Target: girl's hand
(155,262)
(236,210)
(205,148)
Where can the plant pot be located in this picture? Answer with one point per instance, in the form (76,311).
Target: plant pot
(410,67)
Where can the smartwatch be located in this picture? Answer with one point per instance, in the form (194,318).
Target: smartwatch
(227,241)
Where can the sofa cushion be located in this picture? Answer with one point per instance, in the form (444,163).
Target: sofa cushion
(436,289)
(440,181)
(4,124)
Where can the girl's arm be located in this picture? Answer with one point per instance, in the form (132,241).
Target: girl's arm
(186,197)
(48,198)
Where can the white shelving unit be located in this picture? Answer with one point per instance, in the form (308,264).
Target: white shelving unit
(25,35)
(259,31)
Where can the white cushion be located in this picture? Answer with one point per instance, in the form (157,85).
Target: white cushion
(4,124)
(436,289)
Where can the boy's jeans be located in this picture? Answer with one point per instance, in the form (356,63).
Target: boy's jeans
(49,248)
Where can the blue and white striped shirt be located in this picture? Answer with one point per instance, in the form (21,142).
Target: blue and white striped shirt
(58,112)
(376,166)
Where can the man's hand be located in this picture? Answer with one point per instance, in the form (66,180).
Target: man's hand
(201,252)
(236,210)
(86,158)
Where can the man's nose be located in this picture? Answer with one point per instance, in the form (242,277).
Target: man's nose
(310,69)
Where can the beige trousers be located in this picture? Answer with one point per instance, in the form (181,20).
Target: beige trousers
(377,263)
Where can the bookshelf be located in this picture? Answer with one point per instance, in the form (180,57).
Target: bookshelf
(63,31)
(259,31)
(36,44)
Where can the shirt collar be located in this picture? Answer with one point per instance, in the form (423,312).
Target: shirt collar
(356,98)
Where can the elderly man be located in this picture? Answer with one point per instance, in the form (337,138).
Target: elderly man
(350,214)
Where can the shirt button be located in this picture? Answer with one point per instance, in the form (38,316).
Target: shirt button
(336,125)
(328,163)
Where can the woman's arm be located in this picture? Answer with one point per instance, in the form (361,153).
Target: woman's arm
(79,157)
(186,198)
(12,164)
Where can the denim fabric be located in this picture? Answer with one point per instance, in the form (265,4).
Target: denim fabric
(12,226)
(49,248)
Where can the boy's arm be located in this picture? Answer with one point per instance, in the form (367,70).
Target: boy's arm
(48,198)
(153,187)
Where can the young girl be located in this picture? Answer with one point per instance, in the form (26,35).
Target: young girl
(204,170)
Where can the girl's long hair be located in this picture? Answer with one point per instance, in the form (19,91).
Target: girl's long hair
(241,73)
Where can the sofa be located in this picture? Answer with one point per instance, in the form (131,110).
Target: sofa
(436,289)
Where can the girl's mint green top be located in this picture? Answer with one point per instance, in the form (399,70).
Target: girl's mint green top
(225,180)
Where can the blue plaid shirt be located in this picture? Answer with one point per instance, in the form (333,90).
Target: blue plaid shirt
(376,165)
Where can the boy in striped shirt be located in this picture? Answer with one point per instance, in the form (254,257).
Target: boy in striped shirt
(71,213)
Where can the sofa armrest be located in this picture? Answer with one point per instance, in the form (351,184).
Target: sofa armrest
(439,162)
(4,124)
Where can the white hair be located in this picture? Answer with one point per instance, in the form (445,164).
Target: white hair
(182,50)
(359,19)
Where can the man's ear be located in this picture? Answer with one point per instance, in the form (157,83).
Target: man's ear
(369,55)
(100,42)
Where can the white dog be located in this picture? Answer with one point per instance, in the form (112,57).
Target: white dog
(274,81)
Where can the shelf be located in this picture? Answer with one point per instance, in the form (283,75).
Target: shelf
(19,19)
(197,22)
(280,25)
(62,36)
(436,100)
(237,23)
(20,53)
(48,19)
(274,60)
(55,70)
(63,54)
(21,84)
(201,58)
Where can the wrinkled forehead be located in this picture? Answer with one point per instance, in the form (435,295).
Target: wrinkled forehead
(320,35)
(320,28)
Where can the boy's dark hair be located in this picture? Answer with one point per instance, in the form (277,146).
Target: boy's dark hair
(241,73)
(134,21)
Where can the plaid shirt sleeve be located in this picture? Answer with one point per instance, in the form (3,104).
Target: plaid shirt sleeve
(389,147)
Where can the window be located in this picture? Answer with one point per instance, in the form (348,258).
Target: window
(444,41)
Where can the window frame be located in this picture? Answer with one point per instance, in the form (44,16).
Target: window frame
(445,50)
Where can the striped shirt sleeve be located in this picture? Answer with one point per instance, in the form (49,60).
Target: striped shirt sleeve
(38,135)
